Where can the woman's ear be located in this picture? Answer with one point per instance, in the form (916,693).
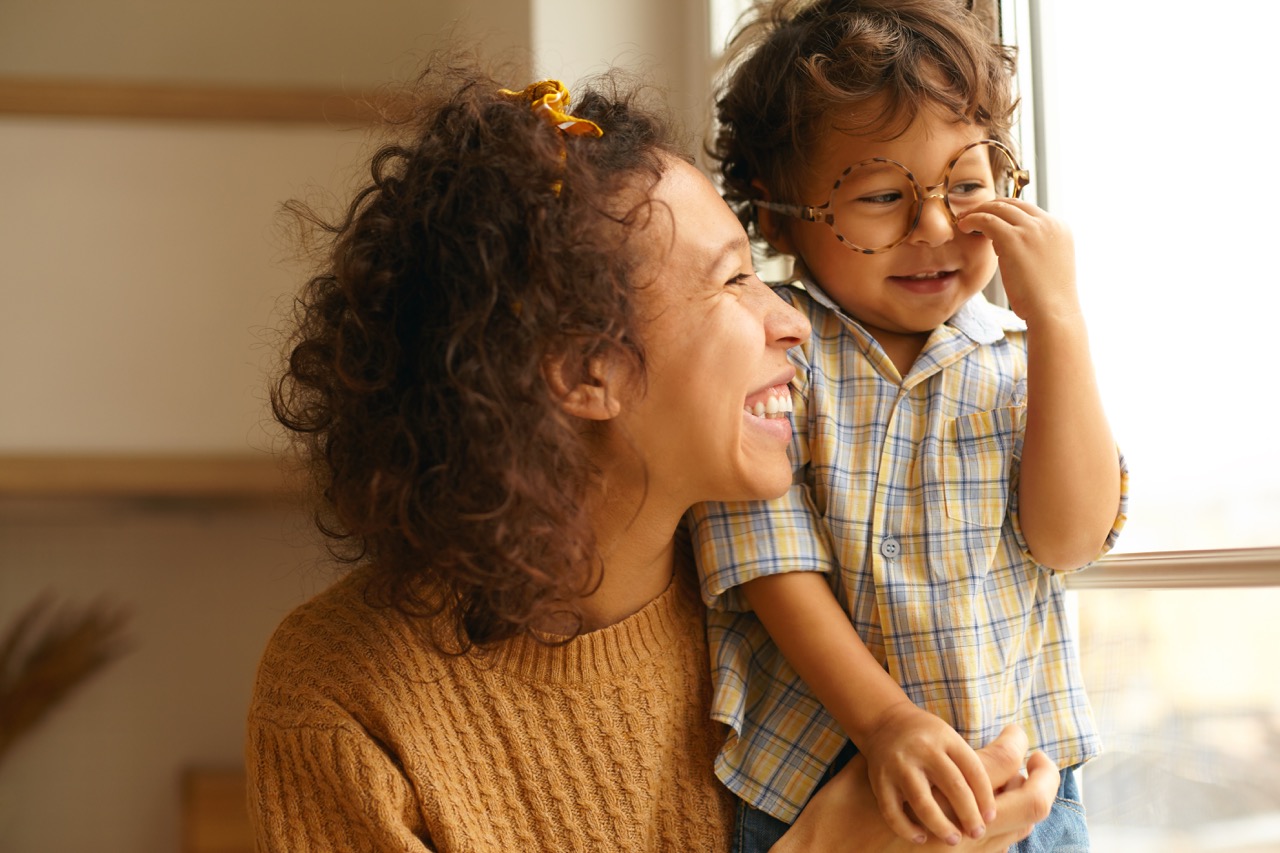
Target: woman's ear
(770,224)
(591,397)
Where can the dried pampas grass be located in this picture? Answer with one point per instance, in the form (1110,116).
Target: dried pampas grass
(47,653)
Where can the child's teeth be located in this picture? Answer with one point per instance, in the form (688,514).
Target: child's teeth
(759,410)
(772,408)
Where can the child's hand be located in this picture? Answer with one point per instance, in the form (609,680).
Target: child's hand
(1037,258)
(910,753)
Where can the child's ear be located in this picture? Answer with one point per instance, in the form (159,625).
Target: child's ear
(771,224)
(591,397)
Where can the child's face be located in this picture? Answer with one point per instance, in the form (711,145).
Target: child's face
(918,285)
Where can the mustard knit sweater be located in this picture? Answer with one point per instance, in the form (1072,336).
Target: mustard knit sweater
(362,738)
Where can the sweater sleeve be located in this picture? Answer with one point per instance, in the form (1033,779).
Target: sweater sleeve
(328,786)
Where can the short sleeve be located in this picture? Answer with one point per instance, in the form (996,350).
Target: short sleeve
(1122,515)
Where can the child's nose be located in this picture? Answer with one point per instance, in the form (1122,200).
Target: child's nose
(935,226)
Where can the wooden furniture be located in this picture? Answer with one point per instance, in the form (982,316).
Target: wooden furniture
(215,817)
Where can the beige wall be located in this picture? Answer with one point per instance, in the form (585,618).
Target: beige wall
(142,258)
(140,263)
(249,42)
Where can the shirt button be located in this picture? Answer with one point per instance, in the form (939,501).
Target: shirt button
(890,548)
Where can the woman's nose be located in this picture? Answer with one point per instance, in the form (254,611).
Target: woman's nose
(784,324)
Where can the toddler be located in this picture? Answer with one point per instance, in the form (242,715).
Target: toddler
(952,458)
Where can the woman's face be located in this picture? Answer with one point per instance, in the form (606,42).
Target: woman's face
(715,340)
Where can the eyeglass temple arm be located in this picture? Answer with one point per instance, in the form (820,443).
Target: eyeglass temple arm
(1021,178)
(800,211)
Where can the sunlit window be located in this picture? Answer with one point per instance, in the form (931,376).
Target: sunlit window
(1159,150)
(1154,141)
(1185,689)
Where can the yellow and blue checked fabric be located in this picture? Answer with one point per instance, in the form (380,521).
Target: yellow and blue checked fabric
(905,494)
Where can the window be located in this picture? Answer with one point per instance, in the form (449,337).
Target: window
(1149,124)
(1156,146)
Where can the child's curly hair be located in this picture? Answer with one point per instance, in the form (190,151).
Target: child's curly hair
(486,245)
(799,67)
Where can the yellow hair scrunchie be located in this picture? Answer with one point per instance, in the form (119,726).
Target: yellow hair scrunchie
(549,99)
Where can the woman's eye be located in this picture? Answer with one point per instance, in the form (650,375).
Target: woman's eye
(740,278)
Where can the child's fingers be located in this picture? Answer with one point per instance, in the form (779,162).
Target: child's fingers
(890,800)
(1007,208)
(991,220)
(1006,214)
(918,793)
(965,810)
(977,780)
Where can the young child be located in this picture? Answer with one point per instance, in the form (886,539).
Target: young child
(951,457)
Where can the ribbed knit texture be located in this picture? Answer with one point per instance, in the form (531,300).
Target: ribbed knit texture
(363,738)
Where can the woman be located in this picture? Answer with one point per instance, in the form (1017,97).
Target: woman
(537,341)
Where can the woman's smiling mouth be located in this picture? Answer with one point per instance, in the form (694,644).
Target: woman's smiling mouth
(773,402)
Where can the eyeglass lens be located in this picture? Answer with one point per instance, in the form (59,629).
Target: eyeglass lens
(875,205)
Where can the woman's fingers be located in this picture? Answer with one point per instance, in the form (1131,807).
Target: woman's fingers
(1002,758)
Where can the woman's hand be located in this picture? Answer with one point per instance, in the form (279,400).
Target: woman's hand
(844,815)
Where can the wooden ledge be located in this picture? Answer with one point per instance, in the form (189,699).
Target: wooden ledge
(125,100)
(188,476)
(1227,567)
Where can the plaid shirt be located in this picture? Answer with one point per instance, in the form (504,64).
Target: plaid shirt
(905,492)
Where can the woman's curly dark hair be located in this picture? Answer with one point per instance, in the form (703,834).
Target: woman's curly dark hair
(798,67)
(415,378)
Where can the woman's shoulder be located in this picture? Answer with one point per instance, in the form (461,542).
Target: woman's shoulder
(336,617)
(335,651)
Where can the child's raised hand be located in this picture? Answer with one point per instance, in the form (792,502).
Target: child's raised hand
(1037,258)
(910,753)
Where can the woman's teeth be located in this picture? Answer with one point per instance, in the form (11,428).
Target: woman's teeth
(777,404)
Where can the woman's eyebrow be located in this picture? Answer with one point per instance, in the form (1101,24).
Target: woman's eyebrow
(731,249)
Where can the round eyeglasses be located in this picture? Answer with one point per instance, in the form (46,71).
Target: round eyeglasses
(876,204)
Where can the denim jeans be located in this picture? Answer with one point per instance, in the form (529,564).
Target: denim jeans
(1063,831)
(755,831)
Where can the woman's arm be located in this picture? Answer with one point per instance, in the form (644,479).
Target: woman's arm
(327,788)
(843,815)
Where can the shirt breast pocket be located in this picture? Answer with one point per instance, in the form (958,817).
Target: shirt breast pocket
(976,463)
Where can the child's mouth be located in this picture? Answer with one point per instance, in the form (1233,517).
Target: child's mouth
(926,282)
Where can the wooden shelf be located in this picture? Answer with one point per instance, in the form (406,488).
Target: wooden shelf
(98,99)
(184,476)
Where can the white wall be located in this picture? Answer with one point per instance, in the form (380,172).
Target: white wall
(140,262)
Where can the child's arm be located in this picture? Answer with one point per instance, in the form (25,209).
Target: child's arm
(1069,483)
(908,750)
